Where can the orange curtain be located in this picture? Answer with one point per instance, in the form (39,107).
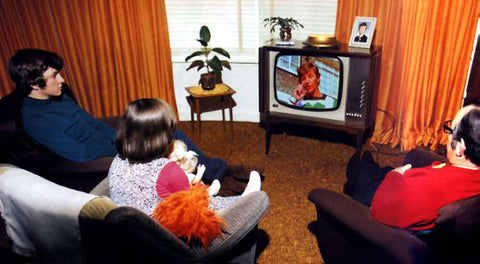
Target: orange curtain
(22,25)
(427,48)
(114,51)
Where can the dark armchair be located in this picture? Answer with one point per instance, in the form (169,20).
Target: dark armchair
(346,233)
(18,149)
(125,235)
(67,226)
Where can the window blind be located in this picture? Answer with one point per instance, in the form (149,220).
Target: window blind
(236,25)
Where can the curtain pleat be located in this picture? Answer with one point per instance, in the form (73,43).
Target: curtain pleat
(426,55)
(23,24)
(114,51)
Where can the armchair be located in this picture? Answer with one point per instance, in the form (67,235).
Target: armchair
(108,233)
(346,233)
(18,149)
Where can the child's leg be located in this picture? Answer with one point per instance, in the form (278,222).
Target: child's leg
(218,203)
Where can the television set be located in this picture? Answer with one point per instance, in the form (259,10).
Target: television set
(308,85)
(333,88)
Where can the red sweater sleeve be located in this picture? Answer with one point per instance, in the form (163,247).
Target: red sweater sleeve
(171,179)
(392,203)
(412,200)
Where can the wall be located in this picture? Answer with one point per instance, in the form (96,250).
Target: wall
(243,78)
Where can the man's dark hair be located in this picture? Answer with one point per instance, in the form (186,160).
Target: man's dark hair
(26,68)
(469,130)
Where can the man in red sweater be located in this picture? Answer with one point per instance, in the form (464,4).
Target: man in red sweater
(411,198)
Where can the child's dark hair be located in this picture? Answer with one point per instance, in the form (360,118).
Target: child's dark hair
(146,132)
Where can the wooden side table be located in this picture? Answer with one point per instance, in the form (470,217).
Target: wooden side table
(196,94)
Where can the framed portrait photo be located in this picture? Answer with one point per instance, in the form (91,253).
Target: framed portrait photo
(362,32)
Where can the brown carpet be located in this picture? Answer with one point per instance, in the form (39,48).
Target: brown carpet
(298,162)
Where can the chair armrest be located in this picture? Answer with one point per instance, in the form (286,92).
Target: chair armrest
(139,239)
(82,176)
(129,235)
(102,188)
(421,158)
(240,218)
(346,233)
(100,165)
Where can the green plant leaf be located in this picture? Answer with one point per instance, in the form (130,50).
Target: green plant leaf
(221,52)
(196,53)
(202,42)
(215,64)
(282,22)
(226,64)
(196,63)
(205,34)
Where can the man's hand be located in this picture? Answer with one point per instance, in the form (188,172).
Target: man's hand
(403,169)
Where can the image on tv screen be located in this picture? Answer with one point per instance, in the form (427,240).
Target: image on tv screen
(308,82)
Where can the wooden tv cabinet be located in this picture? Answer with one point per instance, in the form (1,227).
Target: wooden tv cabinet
(361,95)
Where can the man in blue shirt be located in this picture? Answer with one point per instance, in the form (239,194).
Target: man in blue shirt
(53,119)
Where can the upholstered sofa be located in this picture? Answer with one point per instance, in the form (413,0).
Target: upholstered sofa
(68,226)
(18,149)
(346,233)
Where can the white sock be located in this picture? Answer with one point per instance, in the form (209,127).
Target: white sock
(214,188)
(254,183)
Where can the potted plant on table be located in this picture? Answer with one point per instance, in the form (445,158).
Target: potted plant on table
(213,65)
(286,25)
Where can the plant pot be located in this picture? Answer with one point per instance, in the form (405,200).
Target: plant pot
(207,80)
(285,33)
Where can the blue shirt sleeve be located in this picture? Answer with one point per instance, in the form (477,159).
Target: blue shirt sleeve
(67,130)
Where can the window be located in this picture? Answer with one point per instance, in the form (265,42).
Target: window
(289,63)
(236,25)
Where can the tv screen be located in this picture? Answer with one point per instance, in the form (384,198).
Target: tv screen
(308,82)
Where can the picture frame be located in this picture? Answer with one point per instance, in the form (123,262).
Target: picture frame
(362,32)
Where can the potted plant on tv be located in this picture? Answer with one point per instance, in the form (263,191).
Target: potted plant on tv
(286,25)
(213,65)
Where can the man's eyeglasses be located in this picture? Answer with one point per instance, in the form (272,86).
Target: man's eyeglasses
(447,127)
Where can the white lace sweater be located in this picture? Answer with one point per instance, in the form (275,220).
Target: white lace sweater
(134,184)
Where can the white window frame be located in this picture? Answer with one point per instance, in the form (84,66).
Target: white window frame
(242,18)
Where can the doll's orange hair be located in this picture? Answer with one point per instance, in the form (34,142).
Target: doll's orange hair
(186,214)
